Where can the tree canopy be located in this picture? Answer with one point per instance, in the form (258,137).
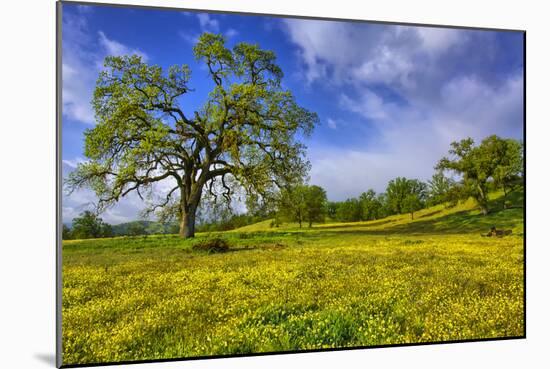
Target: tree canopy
(88,225)
(495,159)
(316,202)
(401,191)
(304,203)
(371,205)
(440,188)
(243,136)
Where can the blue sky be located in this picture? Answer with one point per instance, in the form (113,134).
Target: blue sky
(390,98)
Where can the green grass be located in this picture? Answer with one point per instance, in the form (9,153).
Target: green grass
(338,284)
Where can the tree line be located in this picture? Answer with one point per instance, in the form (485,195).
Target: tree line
(496,163)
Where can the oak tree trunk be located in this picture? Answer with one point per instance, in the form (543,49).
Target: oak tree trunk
(187,224)
(482,200)
(188,216)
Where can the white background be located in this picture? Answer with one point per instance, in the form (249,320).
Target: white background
(27,182)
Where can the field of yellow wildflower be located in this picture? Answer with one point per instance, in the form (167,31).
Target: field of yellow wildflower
(389,281)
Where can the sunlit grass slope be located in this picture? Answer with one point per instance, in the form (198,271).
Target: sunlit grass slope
(381,282)
(464,217)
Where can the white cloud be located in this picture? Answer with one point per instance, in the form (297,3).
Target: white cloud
(115,48)
(363,53)
(400,80)
(84,199)
(346,173)
(76,91)
(436,40)
(320,45)
(231,32)
(188,37)
(369,105)
(410,139)
(389,66)
(82,62)
(332,123)
(128,208)
(78,61)
(73,163)
(474,107)
(207,23)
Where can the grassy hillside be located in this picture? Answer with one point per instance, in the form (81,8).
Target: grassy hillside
(393,280)
(463,218)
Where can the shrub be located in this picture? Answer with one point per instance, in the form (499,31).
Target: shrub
(212,245)
(244,236)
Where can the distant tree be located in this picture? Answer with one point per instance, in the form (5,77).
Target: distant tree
(89,225)
(136,229)
(384,209)
(243,137)
(349,211)
(316,204)
(401,188)
(371,205)
(439,187)
(293,206)
(262,206)
(332,207)
(412,203)
(303,203)
(396,191)
(172,228)
(509,171)
(478,165)
(66,233)
(107,230)
(155,228)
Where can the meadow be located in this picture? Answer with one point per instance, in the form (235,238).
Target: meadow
(388,281)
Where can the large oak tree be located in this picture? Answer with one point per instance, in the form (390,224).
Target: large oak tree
(245,134)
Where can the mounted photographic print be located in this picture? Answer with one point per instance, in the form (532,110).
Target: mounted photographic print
(242,184)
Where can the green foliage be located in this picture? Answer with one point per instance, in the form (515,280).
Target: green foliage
(412,203)
(136,228)
(368,206)
(440,188)
(244,136)
(316,204)
(232,222)
(293,204)
(349,211)
(495,159)
(144,227)
(509,171)
(303,203)
(88,225)
(371,205)
(66,233)
(402,193)
(212,245)
(332,208)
